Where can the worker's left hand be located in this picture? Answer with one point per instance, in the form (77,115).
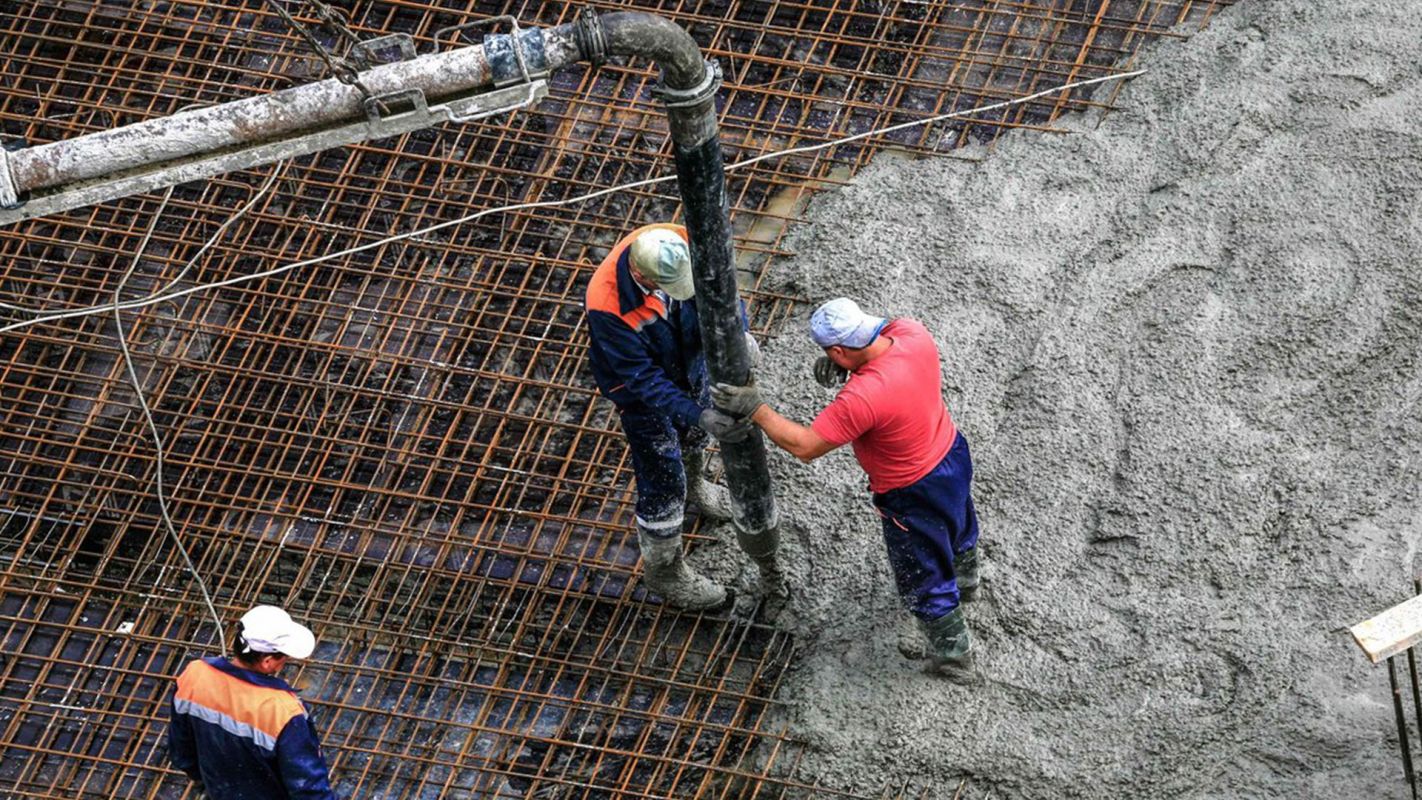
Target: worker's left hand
(724,427)
(738,401)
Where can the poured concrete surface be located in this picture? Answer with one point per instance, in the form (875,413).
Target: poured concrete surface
(1186,347)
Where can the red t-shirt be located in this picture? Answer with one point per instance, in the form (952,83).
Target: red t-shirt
(892,410)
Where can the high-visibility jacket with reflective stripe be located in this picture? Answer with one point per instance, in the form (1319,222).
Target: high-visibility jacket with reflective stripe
(645,353)
(244,735)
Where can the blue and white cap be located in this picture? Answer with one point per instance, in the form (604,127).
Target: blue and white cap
(840,322)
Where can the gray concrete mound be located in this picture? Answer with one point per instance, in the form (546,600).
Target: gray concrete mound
(1186,347)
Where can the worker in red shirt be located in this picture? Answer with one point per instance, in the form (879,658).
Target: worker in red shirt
(891,411)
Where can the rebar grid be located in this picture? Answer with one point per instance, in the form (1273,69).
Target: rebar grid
(403,446)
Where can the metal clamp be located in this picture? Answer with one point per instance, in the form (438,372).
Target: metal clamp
(487,104)
(591,39)
(499,46)
(367,52)
(478,23)
(377,108)
(9,192)
(696,95)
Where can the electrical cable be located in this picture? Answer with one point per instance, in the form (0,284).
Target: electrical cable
(160,489)
(237,279)
(122,337)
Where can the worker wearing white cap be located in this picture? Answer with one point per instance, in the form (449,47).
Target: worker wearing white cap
(646,358)
(239,731)
(890,408)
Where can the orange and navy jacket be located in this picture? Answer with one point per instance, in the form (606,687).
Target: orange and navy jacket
(244,735)
(645,351)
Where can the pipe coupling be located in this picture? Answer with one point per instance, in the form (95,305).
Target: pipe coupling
(518,57)
(590,37)
(696,95)
(9,192)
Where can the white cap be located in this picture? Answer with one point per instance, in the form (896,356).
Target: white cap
(840,322)
(268,629)
(661,256)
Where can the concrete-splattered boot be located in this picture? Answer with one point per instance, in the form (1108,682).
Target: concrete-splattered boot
(714,501)
(951,649)
(912,641)
(965,574)
(668,575)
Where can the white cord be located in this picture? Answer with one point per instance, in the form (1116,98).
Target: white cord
(154,300)
(122,336)
(153,428)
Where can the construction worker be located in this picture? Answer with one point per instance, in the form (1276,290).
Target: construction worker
(646,358)
(891,409)
(239,731)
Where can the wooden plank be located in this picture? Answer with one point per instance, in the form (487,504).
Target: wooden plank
(1390,632)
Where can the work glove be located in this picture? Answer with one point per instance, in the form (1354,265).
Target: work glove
(829,374)
(723,426)
(754,347)
(738,401)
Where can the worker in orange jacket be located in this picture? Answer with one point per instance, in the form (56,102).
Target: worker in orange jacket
(240,732)
(646,358)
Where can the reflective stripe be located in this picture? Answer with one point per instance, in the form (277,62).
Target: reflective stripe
(661,525)
(639,318)
(232,726)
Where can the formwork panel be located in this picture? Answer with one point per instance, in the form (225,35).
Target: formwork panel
(400,441)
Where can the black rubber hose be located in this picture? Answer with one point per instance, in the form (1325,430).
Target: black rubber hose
(637,33)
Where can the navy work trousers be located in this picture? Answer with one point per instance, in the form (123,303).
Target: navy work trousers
(926,525)
(656,444)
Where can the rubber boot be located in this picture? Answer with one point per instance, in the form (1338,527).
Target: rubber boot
(668,575)
(965,574)
(712,500)
(912,641)
(951,648)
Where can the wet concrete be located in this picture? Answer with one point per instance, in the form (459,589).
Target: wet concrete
(1186,346)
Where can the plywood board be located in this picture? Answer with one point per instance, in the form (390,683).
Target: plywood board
(1390,632)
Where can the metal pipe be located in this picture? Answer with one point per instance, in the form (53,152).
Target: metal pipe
(258,130)
(261,118)
(1406,748)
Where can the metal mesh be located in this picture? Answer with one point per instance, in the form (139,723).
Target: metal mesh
(403,446)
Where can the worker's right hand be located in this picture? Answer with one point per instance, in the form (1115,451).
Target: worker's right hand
(723,426)
(829,374)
